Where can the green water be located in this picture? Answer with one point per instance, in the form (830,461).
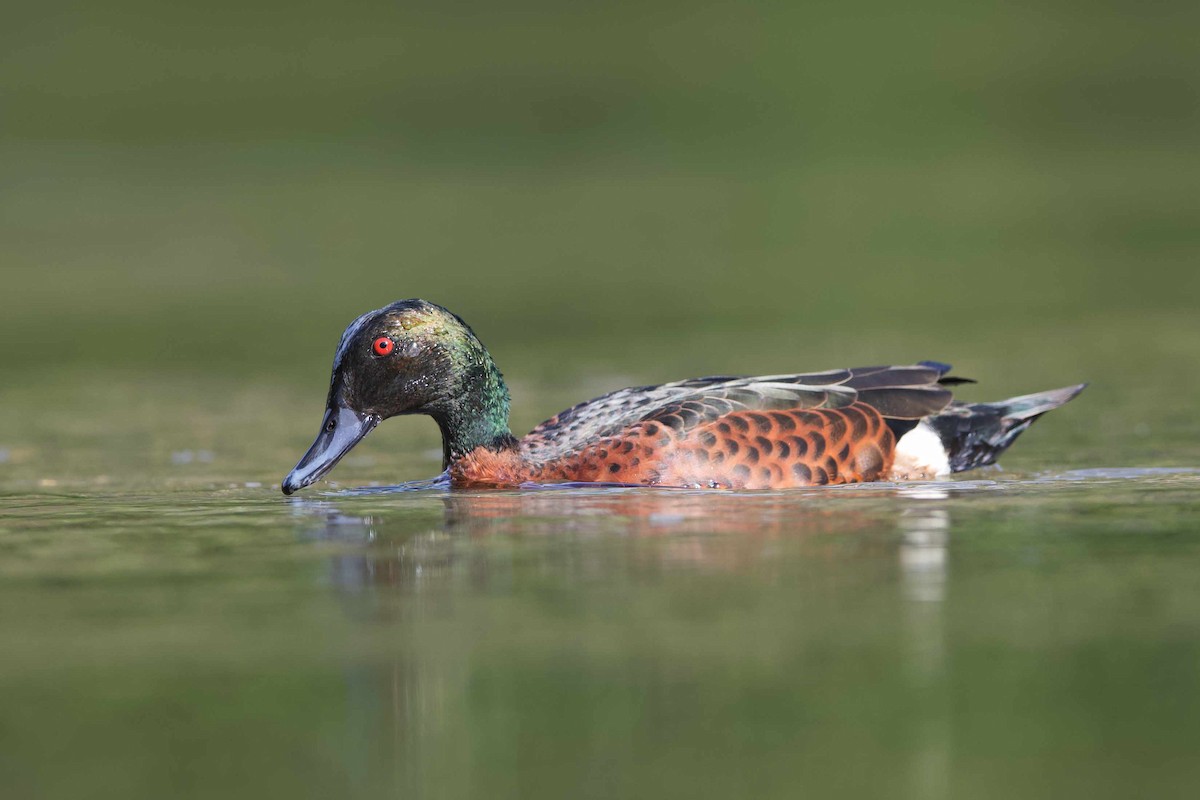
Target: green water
(195,200)
(173,626)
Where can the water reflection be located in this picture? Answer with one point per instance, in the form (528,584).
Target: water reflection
(416,538)
(413,560)
(923,555)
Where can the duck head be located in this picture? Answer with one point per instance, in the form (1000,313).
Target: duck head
(411,357)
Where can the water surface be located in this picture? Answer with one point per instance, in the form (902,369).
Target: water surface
(1006,634)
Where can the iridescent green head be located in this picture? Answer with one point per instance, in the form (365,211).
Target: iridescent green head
(412,357)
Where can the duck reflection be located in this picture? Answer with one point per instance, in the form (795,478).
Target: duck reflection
(405,539)
(445,571)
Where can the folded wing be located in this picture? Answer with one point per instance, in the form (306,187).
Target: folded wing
(903,394)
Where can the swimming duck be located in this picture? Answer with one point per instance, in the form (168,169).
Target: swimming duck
(727,432)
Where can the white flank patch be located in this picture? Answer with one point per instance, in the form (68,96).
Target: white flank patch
(920,455)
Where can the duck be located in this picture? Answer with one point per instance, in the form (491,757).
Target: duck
(863,424)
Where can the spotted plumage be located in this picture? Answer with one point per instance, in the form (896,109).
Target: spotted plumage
(731,450)
(720,432)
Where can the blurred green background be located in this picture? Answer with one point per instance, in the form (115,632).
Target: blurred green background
(188,185)
(196,198)
(209,193)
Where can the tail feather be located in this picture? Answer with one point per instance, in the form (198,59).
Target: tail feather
(975,434)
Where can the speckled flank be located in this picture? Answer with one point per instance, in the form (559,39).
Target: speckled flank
(740,450)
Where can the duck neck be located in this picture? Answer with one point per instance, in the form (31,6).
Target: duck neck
(477,416)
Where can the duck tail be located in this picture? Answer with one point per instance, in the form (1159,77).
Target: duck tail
(975,434)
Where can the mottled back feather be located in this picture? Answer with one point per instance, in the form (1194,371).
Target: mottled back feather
(906,392)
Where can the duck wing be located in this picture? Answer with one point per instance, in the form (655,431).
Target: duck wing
(901,393)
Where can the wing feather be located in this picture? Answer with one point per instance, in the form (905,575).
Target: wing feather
(905,392)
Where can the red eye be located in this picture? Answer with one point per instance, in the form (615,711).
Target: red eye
(383,346)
